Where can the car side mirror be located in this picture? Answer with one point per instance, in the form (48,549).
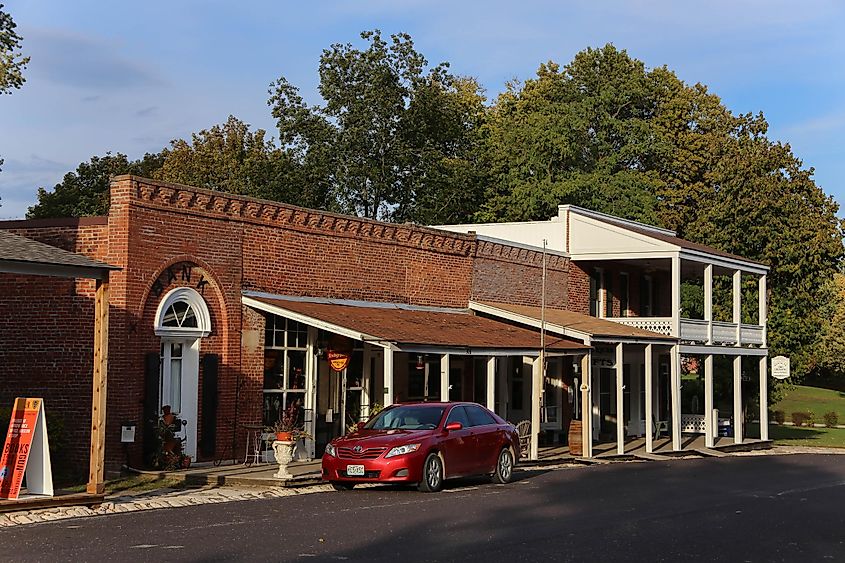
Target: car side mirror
(453,426)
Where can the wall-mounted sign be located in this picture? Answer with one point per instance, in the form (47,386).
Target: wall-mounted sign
(26,451)
(780,367)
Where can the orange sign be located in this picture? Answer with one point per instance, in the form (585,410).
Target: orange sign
(338,360)
(17,447)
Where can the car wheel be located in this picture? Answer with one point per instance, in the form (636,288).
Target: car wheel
(338,486)
(432,476)
(504,467)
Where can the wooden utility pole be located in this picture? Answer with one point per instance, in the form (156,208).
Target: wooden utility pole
(98,396)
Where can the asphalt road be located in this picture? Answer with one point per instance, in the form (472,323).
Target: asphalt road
(770,508)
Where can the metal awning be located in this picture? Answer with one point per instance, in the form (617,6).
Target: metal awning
(413,329)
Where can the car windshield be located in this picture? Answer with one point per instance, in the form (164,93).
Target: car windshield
(411,417)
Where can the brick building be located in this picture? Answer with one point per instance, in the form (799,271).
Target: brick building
(227,309)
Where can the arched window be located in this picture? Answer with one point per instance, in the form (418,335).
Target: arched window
(183,313)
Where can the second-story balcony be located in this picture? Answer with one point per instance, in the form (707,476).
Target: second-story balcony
(699,331)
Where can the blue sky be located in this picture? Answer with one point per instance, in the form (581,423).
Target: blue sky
(130,77)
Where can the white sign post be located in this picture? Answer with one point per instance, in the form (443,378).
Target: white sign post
(780,367)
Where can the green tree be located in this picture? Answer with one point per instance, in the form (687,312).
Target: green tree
(86,191)
(393,134)
(231,158)
(606,133)
(12,61)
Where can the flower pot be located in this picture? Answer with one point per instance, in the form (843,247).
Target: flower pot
(283,436)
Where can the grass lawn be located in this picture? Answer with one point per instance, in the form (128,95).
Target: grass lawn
(802,436)
(812,399)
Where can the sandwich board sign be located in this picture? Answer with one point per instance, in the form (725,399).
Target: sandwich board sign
(26,451)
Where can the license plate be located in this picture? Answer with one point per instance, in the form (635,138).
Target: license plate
(354,470)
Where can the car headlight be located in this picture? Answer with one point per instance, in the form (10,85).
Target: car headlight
(403,450)
(330,450)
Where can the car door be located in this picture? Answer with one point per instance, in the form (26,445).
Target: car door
(457,446)
(486,439)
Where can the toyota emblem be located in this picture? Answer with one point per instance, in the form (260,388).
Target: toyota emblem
(357,449)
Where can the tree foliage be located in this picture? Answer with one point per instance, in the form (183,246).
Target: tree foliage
(394,137)
(606,133)
(231,158)
(86,190)
(12,61)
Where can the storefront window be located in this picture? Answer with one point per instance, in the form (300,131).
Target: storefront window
(285,344)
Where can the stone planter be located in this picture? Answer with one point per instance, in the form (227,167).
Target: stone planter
(283,451)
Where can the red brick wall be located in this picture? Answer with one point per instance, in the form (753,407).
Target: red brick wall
(515,275)
(46,335)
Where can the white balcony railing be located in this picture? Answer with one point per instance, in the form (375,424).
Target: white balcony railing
(696,330)
(660,325)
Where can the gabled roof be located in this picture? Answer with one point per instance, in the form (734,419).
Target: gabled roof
(656,233)
(408,327)
(26,256)
(569,322)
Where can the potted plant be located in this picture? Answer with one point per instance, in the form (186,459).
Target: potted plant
(287,423)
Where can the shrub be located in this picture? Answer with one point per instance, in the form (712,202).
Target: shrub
(779,417)
(802,418)
(831,419)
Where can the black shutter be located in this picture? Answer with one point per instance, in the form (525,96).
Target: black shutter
(152,370)
(209,404)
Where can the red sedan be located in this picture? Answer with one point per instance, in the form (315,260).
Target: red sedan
(423,443)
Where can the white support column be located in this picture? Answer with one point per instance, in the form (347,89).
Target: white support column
(708,301)
(444,377)
(312,366)
(675,385)
(738,399)
(709,430)
(491,383)
(764,312)
(764,400)
(366,375)
(649,399)
(676,295)
(536,395)
(586,406)
(620,402)
(388,377)
(737,316)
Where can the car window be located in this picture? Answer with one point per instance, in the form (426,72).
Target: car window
(458,414)
(412,417)
(478,416)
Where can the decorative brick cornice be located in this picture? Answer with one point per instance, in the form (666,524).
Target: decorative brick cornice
(207,203)
(507,253)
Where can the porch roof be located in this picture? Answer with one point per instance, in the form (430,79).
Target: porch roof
(407,326)
(22,255)
(568,322)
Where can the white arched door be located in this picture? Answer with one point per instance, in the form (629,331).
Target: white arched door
(182,320)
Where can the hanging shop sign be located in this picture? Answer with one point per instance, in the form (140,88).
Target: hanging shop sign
(26,451)
(339,353)
(780,367)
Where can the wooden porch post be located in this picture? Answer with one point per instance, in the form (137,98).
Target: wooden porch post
(738,399)
(586,406)
(444,377)
(675,385)
(491,383)
(709,429)
(388,390)
(620,402)
(649,400)
(536,397)
(764,400)
(97,454)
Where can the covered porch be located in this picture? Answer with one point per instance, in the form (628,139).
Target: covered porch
(401,353)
